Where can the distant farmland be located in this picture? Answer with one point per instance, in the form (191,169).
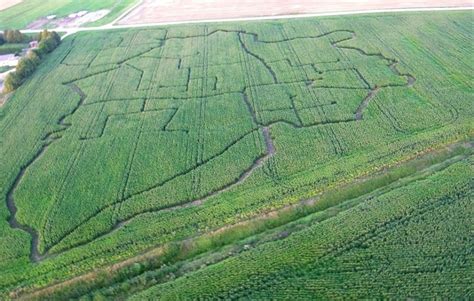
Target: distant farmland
(129,140)
(26,12)
(152,11)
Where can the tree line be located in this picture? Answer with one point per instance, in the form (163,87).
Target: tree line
(13,36)
(48,41)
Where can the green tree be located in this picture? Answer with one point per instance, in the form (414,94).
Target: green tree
(25,67)
(43,35)
(12,82)
(13,36)
(49,40)
(47,35)
(33,56)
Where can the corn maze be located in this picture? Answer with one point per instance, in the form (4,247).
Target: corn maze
(186,103)
(143,137)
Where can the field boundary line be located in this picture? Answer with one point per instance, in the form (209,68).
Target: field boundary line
(70,31)
(297,16)
(126,12)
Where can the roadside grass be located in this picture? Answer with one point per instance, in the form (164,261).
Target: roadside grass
(12,48)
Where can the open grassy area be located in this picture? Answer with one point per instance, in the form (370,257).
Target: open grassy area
(22,14)
(127,140)
(12,48)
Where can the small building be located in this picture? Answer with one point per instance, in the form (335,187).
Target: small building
(33,44)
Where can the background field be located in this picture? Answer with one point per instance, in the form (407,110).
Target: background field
(127,140)
(378,248)
(22,14)
(151,11)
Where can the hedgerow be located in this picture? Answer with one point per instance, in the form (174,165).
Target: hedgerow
(48,41)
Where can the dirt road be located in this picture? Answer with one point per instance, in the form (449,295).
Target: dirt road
(152,11)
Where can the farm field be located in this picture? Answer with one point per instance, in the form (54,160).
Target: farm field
(126,141)
(151,11)
(26,12)
(8,3)
(375,249)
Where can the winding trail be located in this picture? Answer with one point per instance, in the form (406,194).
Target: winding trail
(257,164)
(35,255)
(421,172)
(410,79)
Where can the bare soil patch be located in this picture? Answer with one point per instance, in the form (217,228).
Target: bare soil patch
(4,4)
(152,11)
(73,20)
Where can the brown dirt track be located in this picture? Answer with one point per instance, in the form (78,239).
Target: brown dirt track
(153,11)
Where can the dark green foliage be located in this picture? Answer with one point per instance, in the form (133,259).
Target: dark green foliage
(27,65)
(12,81)
(48,41)
(14,36)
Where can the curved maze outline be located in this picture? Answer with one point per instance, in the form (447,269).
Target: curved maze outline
(264,128)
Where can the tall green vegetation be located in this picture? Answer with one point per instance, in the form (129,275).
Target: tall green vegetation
(411,242)
(13,36)
(48,41)
(126,140)
(13,41)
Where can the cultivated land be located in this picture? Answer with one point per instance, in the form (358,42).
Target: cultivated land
(8,3)
(378,248)
(292,143)
(26,12)
(151,11)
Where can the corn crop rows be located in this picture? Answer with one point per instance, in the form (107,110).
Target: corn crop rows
(129,139)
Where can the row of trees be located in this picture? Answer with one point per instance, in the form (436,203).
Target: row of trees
(13,36)
(48,41)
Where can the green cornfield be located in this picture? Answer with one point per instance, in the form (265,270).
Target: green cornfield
(127,140)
